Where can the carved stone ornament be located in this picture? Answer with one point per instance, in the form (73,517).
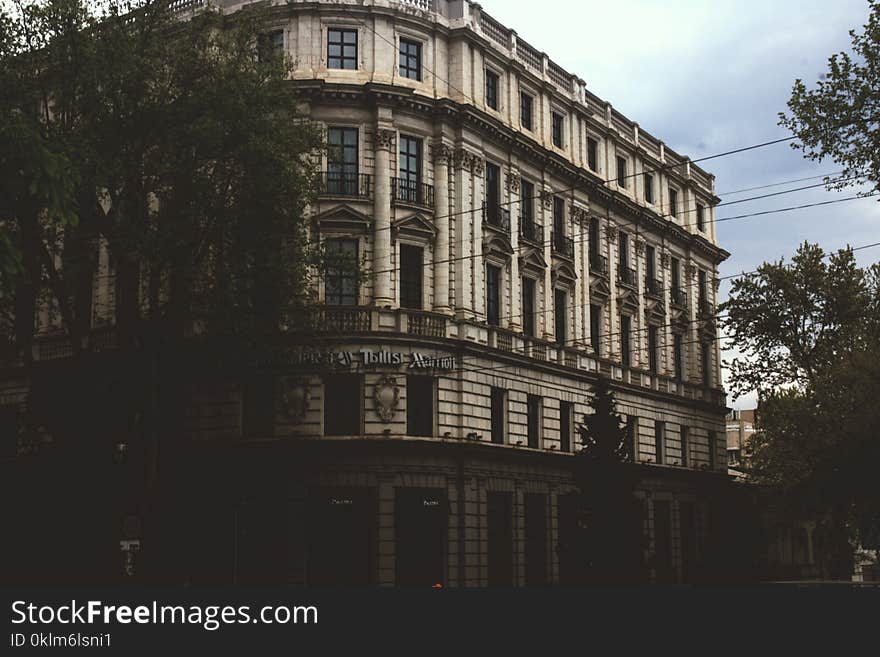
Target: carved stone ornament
(640,247)
(547,199)
(690,270)
(664,260)
(611,232)
(579,213)
(512,182)
(442,152)
(385,139)
(295,397)
(386,394)
(463,159)
(717,283)
(477,166)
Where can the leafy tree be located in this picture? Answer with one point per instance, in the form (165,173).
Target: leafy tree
(809,332)
(177,145)
(610,538)
(839,118)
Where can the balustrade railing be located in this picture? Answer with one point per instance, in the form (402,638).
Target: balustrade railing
(531,232)
(412,191)
(562,244)
(497,217)
(337,183)
(626,276)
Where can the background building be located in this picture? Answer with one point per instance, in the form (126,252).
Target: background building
(520,238)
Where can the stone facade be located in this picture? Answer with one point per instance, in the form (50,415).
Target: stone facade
(446,319)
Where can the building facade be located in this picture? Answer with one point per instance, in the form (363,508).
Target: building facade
(519,238)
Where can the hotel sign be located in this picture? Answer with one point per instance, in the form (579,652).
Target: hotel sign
(372,358)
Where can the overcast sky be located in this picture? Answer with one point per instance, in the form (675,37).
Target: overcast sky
(708,77)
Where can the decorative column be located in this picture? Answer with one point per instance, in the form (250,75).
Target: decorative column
(442,156)
(385,140)
(640,325)
(716,345)
(613,351)
(549,309)
(478,293)
(667,363)
(512,186)
(693,332)
(463,230)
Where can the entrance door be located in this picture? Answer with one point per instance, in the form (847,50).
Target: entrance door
(340,538)
(421,518)
(536,540)
(500,521)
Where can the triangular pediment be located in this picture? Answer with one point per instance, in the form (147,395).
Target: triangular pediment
(342,218)
(655,312)
(599,288)
(416,225)
(628,300)
(497,244)
(532,259)
(564,272)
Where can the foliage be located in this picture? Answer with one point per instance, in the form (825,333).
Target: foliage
(603,433)
(809,332)
(177,143)
(839,118)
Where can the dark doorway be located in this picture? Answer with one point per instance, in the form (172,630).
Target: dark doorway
(536,540)
(340,537)
(571,560)
(421,517)
(261,543)
(687,523)
(500,521)
(663,542)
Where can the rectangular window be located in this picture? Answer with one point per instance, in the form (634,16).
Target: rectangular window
(525,110)
(342,161)
(528,306)
(566,411)
(560,308)
(411,277)
(621,171)
(632,437)
(533,407)
(343,401)
(678,355)
(270,45)
(701,282)
(652,348)
(659,440)
(493,295)
(492,89)
(592,154)
(712,448)
(527,202)
(685,447)
(594,239)
(623,250)
(701,220)
(706,365)
(558,122)
(595,324)
(493,188)
(673,202)
(410,170)
(499,412)
(676,292)
(258,406)
(419,406)
(411,59)
(651,266)
(625,340)
(649,188)
(559,215)
(340,283)
(342,47)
